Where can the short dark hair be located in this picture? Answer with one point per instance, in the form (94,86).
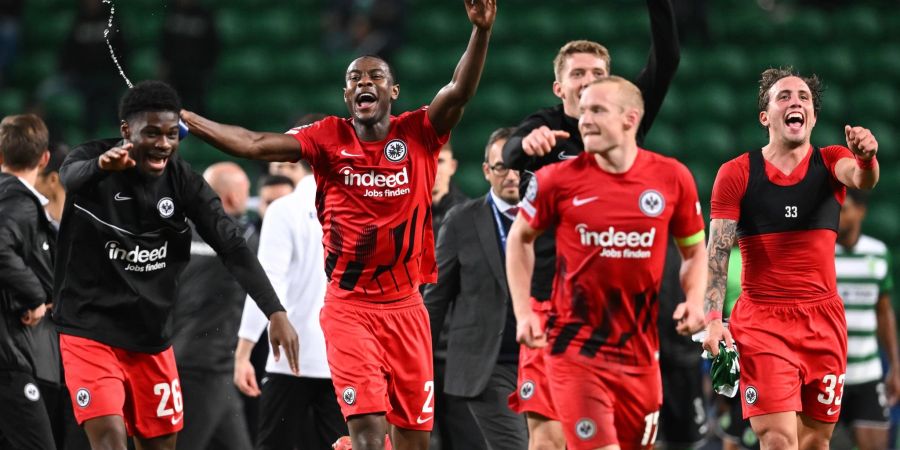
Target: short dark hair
(498,134)
(58,153)
(274,180)
(771,76)
(149,96)
(859,197)
(23,140)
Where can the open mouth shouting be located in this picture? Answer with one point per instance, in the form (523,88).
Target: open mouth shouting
(366,101)
(795,121)
(157,160)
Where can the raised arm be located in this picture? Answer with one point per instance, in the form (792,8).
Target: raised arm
(241,142)
(519,268)
(665,54)
(447,107)
(862,173)
(722,236)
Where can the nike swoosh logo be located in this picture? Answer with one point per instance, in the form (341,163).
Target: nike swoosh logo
(420,420)
(831,413)
(175,421)
(121,198)
(564,156)
(345,153)
(581,201)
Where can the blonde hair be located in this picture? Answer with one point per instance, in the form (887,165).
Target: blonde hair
(629,93)
(579,46)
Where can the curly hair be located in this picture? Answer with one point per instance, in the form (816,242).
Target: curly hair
(149,96)
(771,76)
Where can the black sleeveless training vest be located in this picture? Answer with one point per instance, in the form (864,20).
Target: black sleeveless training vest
(770,208)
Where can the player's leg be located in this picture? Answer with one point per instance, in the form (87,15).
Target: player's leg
(406,336)
(501,427)
(682,417)
(865,413)
(230,432)
(776,431)
(202,408)
(166,442)
(368,431)
(544,433)
(24,423)
(814,434)
(106,432)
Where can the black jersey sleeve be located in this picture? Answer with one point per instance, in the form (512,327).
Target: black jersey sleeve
(81,167)
(225,236)
(15,274)
(665,54)
(514,155)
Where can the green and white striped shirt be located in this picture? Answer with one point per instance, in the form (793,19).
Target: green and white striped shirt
(863,274)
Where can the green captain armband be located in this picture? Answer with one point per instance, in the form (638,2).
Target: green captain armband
(691,240)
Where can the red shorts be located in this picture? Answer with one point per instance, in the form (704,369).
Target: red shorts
(533,393)
(143,388)
(793,356)
(380,359)
(600,404)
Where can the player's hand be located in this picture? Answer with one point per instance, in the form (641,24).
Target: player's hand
(245,377)
(688,318)
(117,159)
(892,385)
(283,335)
(716,332)
(482,13)
(33,316)
(529,331)
(861,142)
(541,140)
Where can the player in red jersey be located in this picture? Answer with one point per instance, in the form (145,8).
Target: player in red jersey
(374,175)
(614,207)
(782,205)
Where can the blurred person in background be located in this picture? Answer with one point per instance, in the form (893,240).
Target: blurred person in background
(296,412)
(189,50)
(206,318)
(455,427)
(27,244)
(482,354)
(865,284)
(271,188)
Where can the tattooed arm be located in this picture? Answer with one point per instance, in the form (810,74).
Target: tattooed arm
(722,236)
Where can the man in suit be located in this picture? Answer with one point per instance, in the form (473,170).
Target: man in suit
(482,353)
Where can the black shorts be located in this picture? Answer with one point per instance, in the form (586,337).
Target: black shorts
(733,426)
(24,423)
(682,417)
(865,405)
(298,412)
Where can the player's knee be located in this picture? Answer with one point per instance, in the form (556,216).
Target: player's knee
(777,439)
(368,441)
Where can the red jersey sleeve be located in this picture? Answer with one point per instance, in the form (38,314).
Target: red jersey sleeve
(728,189)
(420,121)
(687,221)
(309,137)
(538,205)
(834,153)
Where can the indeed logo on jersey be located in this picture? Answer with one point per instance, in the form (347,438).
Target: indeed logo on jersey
(394,182)
(618,244)
(138,259)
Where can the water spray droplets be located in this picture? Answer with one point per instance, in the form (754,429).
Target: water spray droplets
(112,53)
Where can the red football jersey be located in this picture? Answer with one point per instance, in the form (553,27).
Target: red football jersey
(789,265)
(374,202)
(611,236)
